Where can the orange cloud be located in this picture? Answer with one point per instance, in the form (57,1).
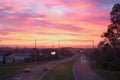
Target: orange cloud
(23,21)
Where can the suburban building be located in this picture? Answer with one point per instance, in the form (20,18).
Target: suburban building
(1,59)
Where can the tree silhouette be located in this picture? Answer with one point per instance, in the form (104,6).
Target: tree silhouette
(111,44)
(112,35)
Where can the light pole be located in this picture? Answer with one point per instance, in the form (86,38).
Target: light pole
(53,44)
(59,48)
(35,50)
(93,48)
(35,43)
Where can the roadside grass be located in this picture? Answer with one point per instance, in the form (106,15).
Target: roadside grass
(61,72)
(108,75)
(7,71)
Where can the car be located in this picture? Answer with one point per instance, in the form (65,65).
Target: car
(45,68)
(27,70)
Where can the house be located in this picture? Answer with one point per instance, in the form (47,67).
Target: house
(9,58)
(19,58)
(15,57)
(1,59)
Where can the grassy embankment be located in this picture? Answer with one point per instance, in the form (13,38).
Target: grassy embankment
(106,74)
(61,72)
(9,70)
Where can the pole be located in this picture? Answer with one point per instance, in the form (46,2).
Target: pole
(35,43)
(53,45)
(59,48)
(35,51)
(93,48)
(59,44)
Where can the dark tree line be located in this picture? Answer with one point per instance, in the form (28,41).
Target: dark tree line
(112,35)
(110,46)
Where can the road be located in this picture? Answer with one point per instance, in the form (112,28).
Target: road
(82,71)
(37,73)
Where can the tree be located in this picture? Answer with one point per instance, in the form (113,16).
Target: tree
(112,35)
(111,44)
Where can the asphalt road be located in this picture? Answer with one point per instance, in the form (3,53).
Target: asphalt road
(82,71)
(37,73)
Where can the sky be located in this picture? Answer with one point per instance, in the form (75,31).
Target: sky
(52,22)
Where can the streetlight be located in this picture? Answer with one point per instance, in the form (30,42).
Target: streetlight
(53,44)
(35,50)
(92,47)
(59,48)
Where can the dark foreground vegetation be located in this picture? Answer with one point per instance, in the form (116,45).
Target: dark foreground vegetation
(107,56)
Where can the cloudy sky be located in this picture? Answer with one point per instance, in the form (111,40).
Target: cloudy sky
(72,22)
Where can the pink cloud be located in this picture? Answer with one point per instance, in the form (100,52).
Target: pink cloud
(43,17)
(76,4)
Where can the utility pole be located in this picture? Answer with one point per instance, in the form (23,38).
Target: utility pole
(35,43)
(59,44)
(93,49)
(59,48)
(53,44)
(35,50)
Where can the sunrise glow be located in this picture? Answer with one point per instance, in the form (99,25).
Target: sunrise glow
(71,22)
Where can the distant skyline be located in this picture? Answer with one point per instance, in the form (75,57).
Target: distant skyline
(72,22)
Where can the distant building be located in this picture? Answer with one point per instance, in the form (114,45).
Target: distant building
(1,59)
(9,59)
(19,58)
